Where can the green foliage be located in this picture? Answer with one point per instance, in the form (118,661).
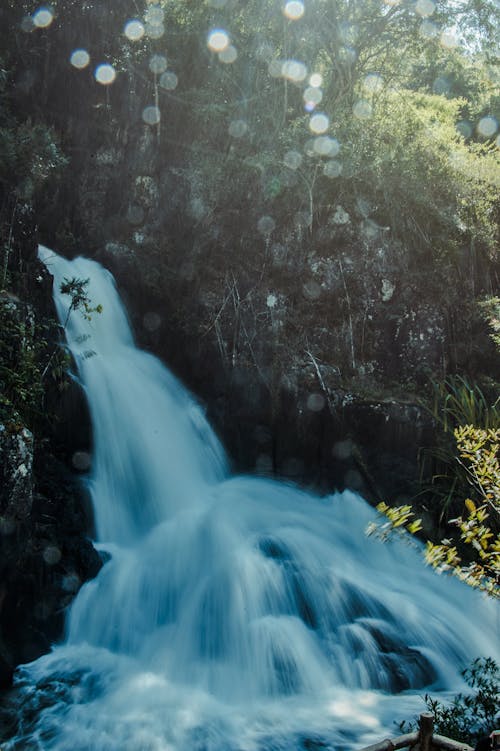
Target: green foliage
(25,359)
(474,555)
(28,155)
(80,300)
(479,527)
(491,311)
(471,715)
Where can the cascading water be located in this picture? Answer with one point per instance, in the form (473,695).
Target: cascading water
(234,613)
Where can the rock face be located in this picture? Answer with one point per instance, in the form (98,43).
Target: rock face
(45,556)
(45,553)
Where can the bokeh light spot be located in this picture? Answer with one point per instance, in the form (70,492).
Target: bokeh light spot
(315,402)
(362,110)
(441,85)
(464,127)
(105,74)
(158,64)
(487,126)
(265,225)
(294,9)
(448,40)
(81,460)
(311,290)
(80,59)
(151,321)
(332,169)
(428,29)
(373,82)
(294,70)
(326,146)
(51,555)
(168,80)
(154,30)
(319,123)
(218,40)
(316,80)
(425,8)
(154,15)
(134,30)
(312,96)
(27,24)
(292,160)
(43,17)
(237,128)
(151,115)
(228,55)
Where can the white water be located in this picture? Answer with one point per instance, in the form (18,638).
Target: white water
(235,613)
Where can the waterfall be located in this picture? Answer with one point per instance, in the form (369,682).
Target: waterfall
(234,613)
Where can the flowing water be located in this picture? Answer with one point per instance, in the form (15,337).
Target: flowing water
(234,613)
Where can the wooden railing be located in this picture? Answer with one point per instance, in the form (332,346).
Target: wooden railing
(423,740)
